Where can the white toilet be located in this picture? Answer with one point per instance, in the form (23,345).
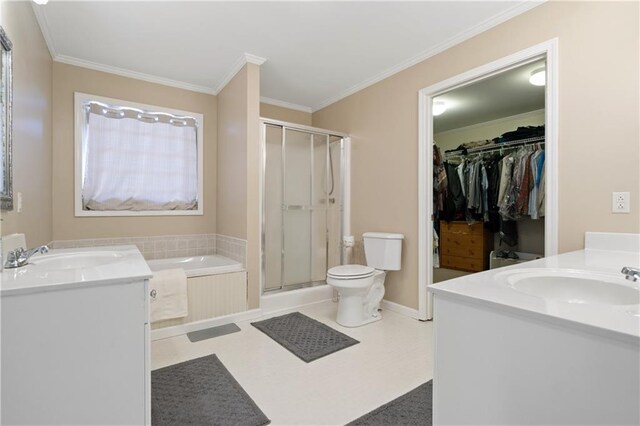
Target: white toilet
(361,288)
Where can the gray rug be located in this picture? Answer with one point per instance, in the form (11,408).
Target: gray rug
(412,408)
(201,392)
(306,338)
(209,333)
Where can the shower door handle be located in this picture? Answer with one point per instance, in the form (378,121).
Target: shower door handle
(303,207)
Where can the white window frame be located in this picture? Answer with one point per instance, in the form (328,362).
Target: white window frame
(80,127)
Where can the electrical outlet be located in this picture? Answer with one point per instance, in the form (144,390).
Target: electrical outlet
(621,202)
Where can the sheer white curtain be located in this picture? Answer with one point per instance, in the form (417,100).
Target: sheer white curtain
(130,164)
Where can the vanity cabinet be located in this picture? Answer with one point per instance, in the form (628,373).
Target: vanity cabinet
(76,354)
(465,247)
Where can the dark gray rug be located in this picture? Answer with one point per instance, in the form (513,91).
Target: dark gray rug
(201,392)
(412,408)
(306,338)
(209,333)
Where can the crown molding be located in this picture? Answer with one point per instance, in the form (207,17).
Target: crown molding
(44,28)
(133,74)
(246,58)
(254,59)
(284,104)
(447,44)
(41,18)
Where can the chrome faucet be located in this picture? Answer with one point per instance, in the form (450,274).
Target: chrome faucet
(20,257)
(632,274)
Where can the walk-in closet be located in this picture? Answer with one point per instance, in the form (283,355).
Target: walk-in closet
(489,173)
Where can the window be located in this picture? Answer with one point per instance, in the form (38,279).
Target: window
(136,160)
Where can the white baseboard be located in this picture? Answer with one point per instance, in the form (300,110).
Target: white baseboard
(295,298)
(270,304)
(399,309)
(176,330)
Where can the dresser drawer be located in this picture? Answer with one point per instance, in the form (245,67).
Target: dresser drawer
(463,245)
(461,228)
(462,263)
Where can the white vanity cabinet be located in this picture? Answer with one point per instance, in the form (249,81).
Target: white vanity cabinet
(77,353)
(553,341)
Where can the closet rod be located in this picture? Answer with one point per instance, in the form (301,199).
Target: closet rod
(495,147)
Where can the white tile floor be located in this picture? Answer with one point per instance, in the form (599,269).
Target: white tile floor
(393,357)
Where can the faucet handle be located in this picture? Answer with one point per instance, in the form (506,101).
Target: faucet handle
(16,254)
(632,274)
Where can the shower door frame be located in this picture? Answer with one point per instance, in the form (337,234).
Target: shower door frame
(345,193)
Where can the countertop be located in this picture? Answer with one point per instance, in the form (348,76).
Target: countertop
(621,321)
(128,266)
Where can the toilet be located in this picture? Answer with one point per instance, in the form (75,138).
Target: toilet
(361,288)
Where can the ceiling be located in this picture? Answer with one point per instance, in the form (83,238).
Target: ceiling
(503,95)
(316,52)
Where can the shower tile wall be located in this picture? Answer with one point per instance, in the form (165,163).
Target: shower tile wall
(167,246)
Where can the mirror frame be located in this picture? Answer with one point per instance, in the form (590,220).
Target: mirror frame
(6,197)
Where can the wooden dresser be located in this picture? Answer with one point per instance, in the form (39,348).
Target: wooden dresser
(465,247)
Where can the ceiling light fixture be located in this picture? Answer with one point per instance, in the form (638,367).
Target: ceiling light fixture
(538,77)
(439,107)
(40,1)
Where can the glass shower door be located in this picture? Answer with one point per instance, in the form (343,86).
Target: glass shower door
(296,186)
(304,214)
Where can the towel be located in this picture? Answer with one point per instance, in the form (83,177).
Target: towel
(170,287)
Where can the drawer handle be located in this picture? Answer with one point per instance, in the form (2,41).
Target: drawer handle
(153,294)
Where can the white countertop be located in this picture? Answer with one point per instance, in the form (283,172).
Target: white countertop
(127,265)
(622,321)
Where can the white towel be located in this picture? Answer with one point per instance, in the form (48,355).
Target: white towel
(170,287)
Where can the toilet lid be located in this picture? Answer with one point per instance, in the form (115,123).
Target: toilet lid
(351,271)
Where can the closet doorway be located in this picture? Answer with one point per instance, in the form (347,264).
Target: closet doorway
(488,175)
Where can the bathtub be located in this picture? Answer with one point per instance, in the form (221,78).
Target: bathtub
(216,287)
(197,266)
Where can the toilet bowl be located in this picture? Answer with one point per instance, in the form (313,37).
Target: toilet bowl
(361,288)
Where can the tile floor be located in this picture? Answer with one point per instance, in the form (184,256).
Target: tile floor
(393,357)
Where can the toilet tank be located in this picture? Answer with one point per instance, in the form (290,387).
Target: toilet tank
(383,250)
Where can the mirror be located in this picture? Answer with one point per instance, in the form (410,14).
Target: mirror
(6,182)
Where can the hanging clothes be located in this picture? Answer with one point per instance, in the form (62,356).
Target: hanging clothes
(490,187)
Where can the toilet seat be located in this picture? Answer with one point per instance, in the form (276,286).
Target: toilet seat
(350,272)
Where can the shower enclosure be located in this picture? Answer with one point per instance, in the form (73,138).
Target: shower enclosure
(302,204)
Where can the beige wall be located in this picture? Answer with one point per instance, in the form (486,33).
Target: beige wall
(238,168)
(253,185)
(451,139)
(598,127)
(31,125)
(231,218)
(285,114)
(68,79)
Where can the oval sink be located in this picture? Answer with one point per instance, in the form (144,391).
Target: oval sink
(75,260)
(576,287)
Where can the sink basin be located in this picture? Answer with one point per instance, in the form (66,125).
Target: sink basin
(575,287)
(75,260)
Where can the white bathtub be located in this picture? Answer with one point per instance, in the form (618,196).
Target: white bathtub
(197,266)
(216,286)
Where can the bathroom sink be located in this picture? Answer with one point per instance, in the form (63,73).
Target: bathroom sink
(575,287)
(75,260)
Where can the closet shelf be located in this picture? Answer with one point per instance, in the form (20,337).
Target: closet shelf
(495,146)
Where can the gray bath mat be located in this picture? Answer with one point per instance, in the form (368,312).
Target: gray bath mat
(413,408)
(208,333)
(306,338)
(199,392)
